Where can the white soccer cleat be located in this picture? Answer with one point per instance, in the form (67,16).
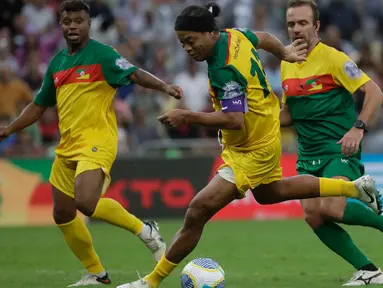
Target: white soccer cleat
(363,278)
(141,283)
(368,193)
(92,279)
(153,240)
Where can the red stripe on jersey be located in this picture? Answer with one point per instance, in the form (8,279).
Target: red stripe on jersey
(228,46)
(309,86)
(79,74)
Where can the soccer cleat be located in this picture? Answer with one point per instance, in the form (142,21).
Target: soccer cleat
(154,241)
(368,193)
(92,279)
(141,283)
(363,278)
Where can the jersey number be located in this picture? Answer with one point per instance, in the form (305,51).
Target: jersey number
(256,70)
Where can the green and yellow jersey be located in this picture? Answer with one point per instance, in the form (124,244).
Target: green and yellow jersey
(83,86)
(318,93)
(237,83)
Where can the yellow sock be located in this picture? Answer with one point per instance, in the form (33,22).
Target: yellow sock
(78,238)
(163,268)
(337,187)
(112,212)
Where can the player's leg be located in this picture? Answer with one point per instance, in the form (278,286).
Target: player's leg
(307,186)
(75,232)
(216,195)
(353,212)
(91,182)
(319,213)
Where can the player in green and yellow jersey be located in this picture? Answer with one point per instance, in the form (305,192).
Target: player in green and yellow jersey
(82,81)
(247,112)
(318,101)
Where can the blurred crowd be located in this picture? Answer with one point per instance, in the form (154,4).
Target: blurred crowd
(142,31)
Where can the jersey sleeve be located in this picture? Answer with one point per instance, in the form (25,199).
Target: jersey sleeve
(250,35)
(47,94)
(230,89)
(347,73)
(116,69)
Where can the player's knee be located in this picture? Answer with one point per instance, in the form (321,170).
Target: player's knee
(314,219)
(85,206)
(197,214)
(333,209)
(63,215)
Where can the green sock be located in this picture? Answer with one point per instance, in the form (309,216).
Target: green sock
(356,213)
(340,242)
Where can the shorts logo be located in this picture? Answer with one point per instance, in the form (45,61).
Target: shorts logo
(237,102)
(94,149)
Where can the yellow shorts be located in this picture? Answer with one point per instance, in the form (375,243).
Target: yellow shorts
(64,173)
(249,169)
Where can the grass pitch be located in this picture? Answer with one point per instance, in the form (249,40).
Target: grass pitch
(269,254)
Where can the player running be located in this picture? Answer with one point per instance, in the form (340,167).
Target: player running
(82,80)
(247,112)
(318,102)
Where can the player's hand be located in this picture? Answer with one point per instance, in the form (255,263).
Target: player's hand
(351,141)
(296,52)
(173,118)
(4,133)
(174,91)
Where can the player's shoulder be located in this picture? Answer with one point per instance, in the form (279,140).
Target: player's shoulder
(100,46)
(329,51)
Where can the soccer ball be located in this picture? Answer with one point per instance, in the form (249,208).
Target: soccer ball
(203,273)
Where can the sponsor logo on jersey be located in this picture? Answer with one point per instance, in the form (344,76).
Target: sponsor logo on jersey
(82,75)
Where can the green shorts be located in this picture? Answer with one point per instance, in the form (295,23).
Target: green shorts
(349,167)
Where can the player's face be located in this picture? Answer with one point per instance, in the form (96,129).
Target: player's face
(198,45)
(75,26)
(300,24)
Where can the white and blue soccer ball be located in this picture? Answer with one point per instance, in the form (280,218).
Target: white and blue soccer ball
(203,273)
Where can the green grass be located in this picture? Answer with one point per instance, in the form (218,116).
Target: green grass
(253,254)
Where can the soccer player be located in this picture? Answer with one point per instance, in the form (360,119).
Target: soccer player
(82,80)
(318,101)
(247,112)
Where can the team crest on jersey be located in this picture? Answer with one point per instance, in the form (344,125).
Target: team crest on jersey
(232,90)
(352,70)
(123,63)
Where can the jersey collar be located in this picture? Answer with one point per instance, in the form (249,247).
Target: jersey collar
(215,50)
(312,53)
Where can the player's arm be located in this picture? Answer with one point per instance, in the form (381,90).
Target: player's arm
(45,98)
(372,103)
(148,80)
(219,119)
(347,74)
(28,116)
(120,72)
(285,116)
(292,53)
(230,90)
